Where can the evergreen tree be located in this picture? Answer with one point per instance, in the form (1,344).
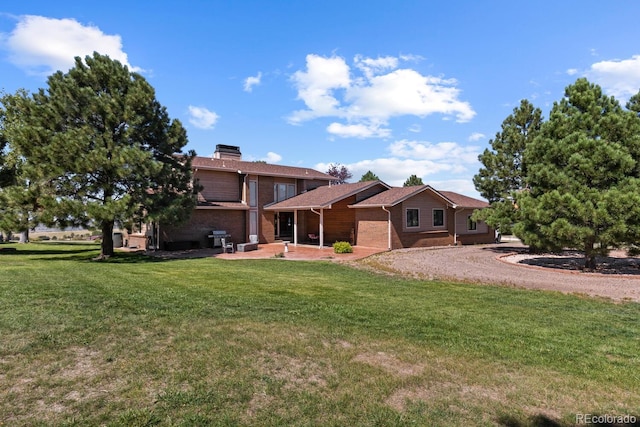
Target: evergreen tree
(369,176)
(104,146)
(413,180)
(583,176)
(503,173)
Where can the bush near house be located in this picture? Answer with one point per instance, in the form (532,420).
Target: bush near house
(342,248)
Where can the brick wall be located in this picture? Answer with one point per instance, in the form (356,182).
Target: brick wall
(202,222)
(371,228)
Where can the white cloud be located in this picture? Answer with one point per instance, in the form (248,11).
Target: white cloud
(330,88)
(272,157)
(360,130)
(572,71)
(250,82)
(451,152)
(316,87)
(42,46)
(415,128)
(436,164)
(202,118)
(476,136)
(620,78)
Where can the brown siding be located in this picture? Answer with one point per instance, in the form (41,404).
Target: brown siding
(220,186)
(426,203)
(461,223)
(339,222)
(429,236)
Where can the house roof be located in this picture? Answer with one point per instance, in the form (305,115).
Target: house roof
(323,197)
(396,195)
(258,168)
(392,196)
(464,201)
(222,205)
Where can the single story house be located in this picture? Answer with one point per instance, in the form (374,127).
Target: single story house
(256,201)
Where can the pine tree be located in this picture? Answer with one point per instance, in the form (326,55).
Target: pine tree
(583,176)
(105,147)
(413,180)
(369,176)
(504,171)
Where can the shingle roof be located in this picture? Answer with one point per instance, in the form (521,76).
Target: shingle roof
(396,195)
(323,197)
(392,196)
(258,168)
(464,201)
(222,205)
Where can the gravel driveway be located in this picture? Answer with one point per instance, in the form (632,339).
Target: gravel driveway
(509,264)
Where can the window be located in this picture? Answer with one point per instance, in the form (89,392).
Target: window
(438,217)
(471,224)
(413,217)
(283,191)
(253,194)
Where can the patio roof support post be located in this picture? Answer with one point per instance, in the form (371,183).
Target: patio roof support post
(295,227)
(388,227)
(321,244)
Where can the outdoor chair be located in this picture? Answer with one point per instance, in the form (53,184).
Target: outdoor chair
(226,245)
(313,237)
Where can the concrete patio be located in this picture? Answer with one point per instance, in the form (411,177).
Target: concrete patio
(299,252)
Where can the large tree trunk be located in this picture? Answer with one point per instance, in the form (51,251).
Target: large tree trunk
(107,240)
(24,236)
(589,256)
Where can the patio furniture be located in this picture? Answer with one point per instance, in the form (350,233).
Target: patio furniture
(313,237)
(226,245)
(246,247)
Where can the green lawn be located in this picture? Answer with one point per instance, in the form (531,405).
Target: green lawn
(138,341)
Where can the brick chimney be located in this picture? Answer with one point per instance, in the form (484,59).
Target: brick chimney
(230,152)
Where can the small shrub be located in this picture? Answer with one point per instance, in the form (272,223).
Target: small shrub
(342,248)
(54,238)
(279,255)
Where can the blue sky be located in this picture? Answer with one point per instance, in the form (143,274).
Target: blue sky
(395,87)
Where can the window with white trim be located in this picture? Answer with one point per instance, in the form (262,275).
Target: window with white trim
(438,217)
(413,217)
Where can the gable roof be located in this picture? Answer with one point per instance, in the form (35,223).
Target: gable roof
(323,197)
(396,195)
(464,201)
(258,168)
(392,196)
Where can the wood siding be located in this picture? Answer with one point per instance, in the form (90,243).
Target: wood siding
(220,186)
(426,202)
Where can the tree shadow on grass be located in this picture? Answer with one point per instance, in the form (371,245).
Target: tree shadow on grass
(541,420)
(67,252)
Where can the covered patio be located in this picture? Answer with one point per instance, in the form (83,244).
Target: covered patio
(323,215)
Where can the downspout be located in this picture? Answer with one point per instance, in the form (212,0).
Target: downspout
(388,227)
(455,225)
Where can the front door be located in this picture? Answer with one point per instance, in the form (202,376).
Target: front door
(284,225)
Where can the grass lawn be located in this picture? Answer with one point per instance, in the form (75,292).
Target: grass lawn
(136,341)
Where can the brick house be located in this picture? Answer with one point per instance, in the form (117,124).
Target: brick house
(234,193)
(248,201)
(374,214)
